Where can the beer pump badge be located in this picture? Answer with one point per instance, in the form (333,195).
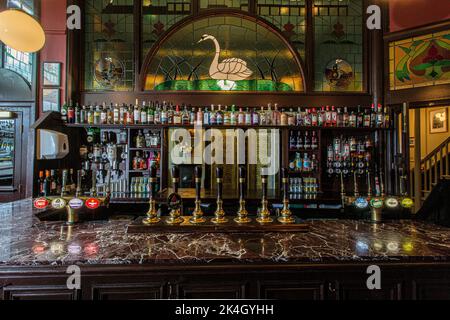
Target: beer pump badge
(407,203)
(40,203)
(392,203)
(92,203)
(59,203)
(361,203)
(76,203)
(174,201)
(376,203)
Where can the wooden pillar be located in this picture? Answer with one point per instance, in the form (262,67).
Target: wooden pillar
(417,160)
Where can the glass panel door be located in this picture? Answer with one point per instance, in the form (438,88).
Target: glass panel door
(7,152)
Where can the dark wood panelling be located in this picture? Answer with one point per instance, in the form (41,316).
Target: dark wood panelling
(292,290)
(121,291)
(214,289)
(51,292)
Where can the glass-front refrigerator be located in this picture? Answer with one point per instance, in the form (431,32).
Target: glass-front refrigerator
(9,126)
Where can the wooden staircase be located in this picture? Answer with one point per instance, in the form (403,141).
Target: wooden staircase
(434,167)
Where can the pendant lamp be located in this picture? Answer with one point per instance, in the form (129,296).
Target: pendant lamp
(21,31)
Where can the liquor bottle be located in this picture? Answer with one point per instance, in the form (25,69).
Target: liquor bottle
(70,114)
(359,118)
(248,117)
(233,115)
(292,141)
(299,117)
(306,163)
(314,163)
(314,141)
(212,117)
(185,116)
(269,115)
(40,184)
(345,118)
(150,114)
(307,121)
(299,141)
(199,121)
(307,142)
(143,116)
(90,115)
(83,115)
(241,117)
(314,118)
(140,140)
(352,119)
(219,116)
(276,115)
(103,114)
(262,117)
(379,118)
(333,117)
(164,114)
(206,115)
(157,114)
(255,117)
(298,162)
(52,180)
(177,116)
(192,116)
(321,117)
(47,182)
(328,117)
(373,116)
(77,113)
(64,112)
(367,118)
(130,114)
(170,114)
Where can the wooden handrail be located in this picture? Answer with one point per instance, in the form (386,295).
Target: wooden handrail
(435,151)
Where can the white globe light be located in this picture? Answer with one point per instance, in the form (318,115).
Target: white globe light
(21,31)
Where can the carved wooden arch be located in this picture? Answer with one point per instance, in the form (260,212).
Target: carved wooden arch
(220,12)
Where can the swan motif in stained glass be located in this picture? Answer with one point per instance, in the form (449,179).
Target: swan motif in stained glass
(227,71)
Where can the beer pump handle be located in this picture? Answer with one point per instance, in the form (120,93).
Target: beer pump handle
(356,191)
(242,178)
(285,177)
(264,184)
(78,190)
(152,182)
(369,185)
(64,183)
(94,184)
(219,174)
(176,178)
(198,181)
(382,184)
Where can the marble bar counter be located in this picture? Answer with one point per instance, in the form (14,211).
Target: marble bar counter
(315,264)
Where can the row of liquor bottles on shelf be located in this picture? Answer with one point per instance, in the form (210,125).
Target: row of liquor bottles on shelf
(143,161)
(348,155)
(167,113)
(140,138)
(303,186)
(303,141)
(50,182)
(306,163)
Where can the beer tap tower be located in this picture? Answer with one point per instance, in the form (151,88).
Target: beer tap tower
(220,213)
(197,215)
(152,213)
(264,214)
(242,214)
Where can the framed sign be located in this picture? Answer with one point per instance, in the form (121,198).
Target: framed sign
(51,99)
(51,73)
(438,121)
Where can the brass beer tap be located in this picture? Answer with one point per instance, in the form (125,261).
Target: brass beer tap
(174,200)
(220,213)
(286,214)
(242,214)
(197,215)
(264,214)
(152,213)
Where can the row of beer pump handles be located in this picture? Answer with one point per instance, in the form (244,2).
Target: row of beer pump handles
(174,201)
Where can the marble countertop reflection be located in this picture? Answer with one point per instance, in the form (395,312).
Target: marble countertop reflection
(26,241)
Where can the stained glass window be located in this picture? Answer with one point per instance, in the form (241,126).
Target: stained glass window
(420,61)
(289,16)
(222,53)
(338,50)
(214,4)
(160,15)
(20,62)
(109,45)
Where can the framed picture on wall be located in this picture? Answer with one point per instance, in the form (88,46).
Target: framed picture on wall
(438,121)
(51,99)
(51,73)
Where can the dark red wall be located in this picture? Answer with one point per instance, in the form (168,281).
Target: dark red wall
(53,19)
(405,14)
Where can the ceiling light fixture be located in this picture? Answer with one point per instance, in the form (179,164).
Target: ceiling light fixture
(21,31)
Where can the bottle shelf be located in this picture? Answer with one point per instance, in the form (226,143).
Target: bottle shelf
(162,126)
